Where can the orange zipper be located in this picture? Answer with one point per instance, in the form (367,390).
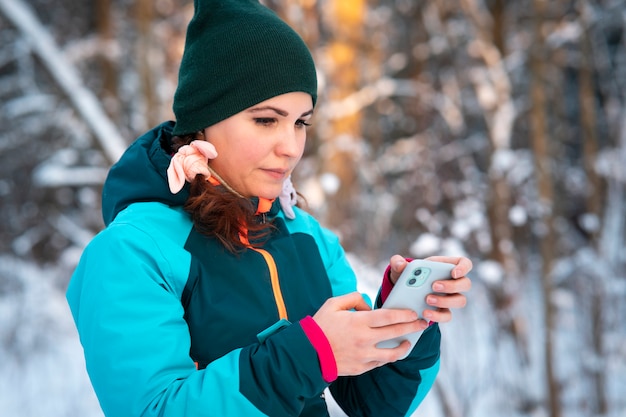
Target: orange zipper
(263,207)
(278,295)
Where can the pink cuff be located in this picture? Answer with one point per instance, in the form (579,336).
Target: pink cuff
(319,341)
(386,286)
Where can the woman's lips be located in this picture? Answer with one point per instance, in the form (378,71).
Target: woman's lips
(276,173)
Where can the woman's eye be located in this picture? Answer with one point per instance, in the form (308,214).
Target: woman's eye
(302,123)
(265,121)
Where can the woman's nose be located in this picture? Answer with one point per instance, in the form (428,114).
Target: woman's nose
(291,143)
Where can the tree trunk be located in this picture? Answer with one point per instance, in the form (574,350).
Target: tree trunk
(346,20)
(499,23)
(499,113)
(595,196)
(540,146)
(109,70)
(144,12)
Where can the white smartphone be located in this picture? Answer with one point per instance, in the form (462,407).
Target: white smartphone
(410,292)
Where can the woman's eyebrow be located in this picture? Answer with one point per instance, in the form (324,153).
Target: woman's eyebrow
(274,109)
(278,111)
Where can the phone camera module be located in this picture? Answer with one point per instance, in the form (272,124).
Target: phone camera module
(418,277)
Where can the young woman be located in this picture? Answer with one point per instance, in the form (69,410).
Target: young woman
(209,293)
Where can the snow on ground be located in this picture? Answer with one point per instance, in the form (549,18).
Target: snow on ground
(42,371)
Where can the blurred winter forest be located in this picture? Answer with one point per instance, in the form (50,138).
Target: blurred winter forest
(488,128)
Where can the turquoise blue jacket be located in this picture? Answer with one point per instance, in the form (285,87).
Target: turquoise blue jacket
(172,324)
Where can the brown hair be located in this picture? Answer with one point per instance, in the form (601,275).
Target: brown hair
(220,213)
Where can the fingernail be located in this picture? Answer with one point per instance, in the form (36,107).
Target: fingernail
(438,286)
(428,314)
(398,264)
(431,300)
(455,273)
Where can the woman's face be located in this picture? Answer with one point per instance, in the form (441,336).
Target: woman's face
(259,147)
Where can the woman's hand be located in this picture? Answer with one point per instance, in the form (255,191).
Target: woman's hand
(452,288)
(353,329)
(353,335)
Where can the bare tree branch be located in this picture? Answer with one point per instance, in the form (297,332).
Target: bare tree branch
(66,76)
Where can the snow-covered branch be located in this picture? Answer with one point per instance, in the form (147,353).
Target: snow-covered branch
(66,76)
(370,94)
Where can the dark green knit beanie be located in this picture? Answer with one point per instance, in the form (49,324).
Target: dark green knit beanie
(238,53)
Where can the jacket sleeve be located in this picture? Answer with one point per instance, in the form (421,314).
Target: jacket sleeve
(125,300)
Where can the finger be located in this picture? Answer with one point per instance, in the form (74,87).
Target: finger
(390,316)
(452,286)
(386,355)
(440,315)
(447,301)
(462,268)
(397,263)
(353,300)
